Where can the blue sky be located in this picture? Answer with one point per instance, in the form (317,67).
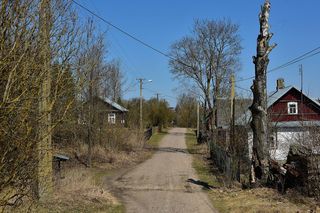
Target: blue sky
(295,25)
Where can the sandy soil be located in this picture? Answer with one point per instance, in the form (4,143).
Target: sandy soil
(166,182)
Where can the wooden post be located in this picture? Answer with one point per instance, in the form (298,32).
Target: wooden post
(141,103)
(233,146)
(198,120)
(44,146)
(90,118)
(232,96)
(258,108)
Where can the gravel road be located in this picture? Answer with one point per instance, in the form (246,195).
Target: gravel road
(164,182)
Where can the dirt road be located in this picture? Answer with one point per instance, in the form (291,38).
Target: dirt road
(164,182)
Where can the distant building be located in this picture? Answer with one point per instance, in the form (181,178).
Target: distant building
(112,112)
(108,112)
(241,106)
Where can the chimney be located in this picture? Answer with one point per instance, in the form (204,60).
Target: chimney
(280,83)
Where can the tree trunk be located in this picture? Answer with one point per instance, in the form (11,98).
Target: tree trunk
(260,153)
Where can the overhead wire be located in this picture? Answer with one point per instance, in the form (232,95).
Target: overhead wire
(247,90)
(123,31)
(304,56)
(161,94)
(120,50)
(293,61)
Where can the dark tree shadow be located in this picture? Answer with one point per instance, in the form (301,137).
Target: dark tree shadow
(204,185)
(168,149)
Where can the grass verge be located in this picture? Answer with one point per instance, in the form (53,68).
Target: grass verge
(155,139)
(237,200)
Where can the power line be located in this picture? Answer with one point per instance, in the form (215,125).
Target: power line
(161,94)
(304,56)
(243,89)
(293,61)
(124,32)
(300,58)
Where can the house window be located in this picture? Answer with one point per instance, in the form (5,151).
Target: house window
(112,118)
(292,108)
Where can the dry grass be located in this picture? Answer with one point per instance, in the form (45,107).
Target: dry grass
(85,189)
(237,200)
(260,200)
(82,190)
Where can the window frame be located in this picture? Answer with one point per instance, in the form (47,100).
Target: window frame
(112,118)
(296,107)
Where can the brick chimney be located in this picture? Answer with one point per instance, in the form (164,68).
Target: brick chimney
(280,83)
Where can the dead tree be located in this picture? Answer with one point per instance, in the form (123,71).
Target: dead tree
(259,105)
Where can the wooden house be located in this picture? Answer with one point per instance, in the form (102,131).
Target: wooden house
(110,112)
(292,117)
(106,112)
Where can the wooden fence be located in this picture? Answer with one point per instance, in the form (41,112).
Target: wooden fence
(148,134)
(225,162)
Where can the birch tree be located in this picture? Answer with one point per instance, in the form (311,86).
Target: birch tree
(260,152)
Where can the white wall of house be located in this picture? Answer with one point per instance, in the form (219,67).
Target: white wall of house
(282,140)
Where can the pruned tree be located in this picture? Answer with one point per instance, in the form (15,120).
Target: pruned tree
(208,56)
(258,108)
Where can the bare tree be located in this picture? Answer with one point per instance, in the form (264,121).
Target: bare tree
(258,108)
(208,56)
(91,72)
(112,81)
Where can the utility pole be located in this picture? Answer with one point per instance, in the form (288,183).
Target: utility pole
(301,100)
(141,101)
(141,122)
(301,77)
(232,97)
(232,109)
(44,144)
(235,147)
(301,83)
(198,120)
(159,124)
